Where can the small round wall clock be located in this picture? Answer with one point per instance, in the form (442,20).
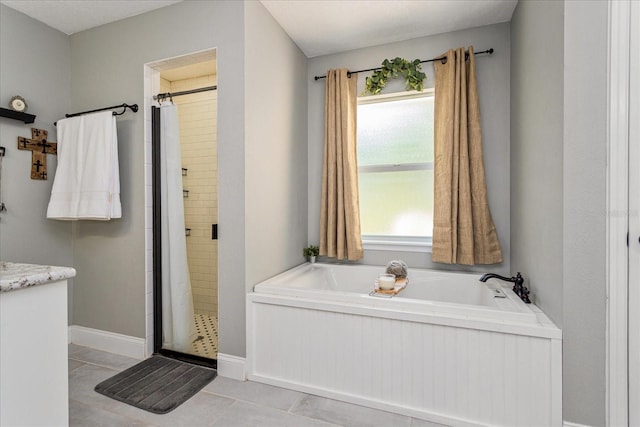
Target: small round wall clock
(18,103)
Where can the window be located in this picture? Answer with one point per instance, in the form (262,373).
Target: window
(395,163)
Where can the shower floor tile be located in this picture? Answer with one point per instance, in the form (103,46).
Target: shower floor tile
(206,345)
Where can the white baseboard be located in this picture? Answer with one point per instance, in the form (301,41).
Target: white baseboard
(111,342)
(570,424)
(231,367)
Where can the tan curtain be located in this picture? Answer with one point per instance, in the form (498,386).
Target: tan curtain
(340,210)
(463,231)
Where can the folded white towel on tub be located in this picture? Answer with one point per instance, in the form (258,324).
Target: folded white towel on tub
(87,181)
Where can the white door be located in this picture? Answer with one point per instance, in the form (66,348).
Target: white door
(634,218)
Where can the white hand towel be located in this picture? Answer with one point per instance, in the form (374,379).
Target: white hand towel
(87,181)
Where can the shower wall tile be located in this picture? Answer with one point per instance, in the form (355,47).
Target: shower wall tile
(148,299)
(149,220)
(148,260)
(165,85)
(147,152)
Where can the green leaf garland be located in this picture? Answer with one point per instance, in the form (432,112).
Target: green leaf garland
(412,72)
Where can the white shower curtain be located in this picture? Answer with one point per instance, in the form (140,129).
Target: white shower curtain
(178,325)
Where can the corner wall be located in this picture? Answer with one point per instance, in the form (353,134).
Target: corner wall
(584,224)
(537,63)
(34,63)
(559,76)
(276,150)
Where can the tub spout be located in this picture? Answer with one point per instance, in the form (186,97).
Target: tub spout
(519,288)
(488,276)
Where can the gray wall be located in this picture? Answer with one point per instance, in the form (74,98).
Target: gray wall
(107,69)
(34,63)
(558,129)
(276,150)
(537,63)
(584,170)
(493,85)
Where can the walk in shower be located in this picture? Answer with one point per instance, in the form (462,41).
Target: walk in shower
(184,127)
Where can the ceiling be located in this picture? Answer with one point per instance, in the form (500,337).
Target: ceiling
(321,27)
(318,27)
(190,71)
(72,16)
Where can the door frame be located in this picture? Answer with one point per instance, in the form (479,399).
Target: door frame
(634,216)
(617,250)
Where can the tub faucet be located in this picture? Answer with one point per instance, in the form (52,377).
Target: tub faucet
(519,288)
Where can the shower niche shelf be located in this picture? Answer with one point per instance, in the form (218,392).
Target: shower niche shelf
(17,115)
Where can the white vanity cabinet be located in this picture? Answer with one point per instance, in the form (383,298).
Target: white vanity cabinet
(34,385)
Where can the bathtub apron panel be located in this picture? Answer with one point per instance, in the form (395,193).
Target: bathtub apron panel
(446,368)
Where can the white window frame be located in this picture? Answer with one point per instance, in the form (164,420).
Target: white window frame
(396,243)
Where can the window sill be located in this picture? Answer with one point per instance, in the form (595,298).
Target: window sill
(399,246)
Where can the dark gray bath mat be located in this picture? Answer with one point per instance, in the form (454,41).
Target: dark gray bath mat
(157,385)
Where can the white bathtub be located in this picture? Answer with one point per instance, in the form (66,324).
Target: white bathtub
(429,291)
(448,348)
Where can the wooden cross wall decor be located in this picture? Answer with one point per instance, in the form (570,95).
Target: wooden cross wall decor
(39,147)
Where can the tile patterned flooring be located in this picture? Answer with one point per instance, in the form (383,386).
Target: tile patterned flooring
(224,402)
(207,329)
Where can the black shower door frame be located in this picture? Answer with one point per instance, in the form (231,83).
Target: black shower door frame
(157,251)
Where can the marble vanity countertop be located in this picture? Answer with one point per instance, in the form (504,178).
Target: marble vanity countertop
(14,276)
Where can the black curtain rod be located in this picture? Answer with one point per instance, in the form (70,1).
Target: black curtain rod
(442,58)
(163,96)
(124,107)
